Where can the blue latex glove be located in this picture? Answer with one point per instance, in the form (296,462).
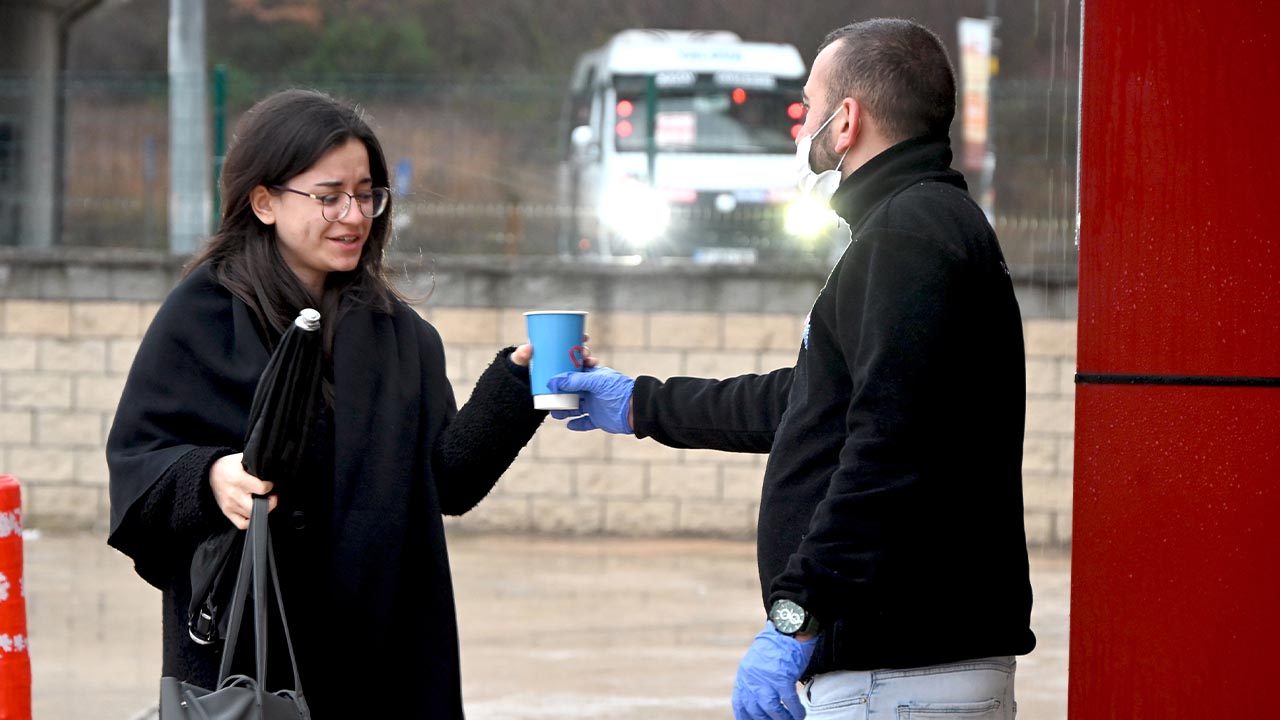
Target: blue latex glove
(604,399)
(765,688)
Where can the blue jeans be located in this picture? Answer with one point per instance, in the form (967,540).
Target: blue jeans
(969,690)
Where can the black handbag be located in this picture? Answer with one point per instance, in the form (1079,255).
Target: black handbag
(239,697)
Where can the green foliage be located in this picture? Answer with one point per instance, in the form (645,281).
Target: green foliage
(355,43)
(243,89)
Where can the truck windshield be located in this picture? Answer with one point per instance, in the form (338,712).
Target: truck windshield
(709,114)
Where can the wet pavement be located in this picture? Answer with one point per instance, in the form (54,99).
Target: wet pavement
(550,628)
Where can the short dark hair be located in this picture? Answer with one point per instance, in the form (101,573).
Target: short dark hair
(900,73)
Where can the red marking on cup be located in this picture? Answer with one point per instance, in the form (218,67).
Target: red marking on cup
(577,356)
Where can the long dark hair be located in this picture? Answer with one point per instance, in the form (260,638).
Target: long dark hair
(278,138)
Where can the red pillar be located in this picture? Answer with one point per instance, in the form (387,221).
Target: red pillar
(1175,598)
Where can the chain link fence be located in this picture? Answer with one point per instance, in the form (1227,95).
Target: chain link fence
(477,167)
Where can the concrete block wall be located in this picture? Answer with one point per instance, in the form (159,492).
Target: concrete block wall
(1048,447)
(70,325)
(62,368)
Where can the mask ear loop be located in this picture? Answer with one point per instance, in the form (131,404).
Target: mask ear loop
(824,125)
(842,157)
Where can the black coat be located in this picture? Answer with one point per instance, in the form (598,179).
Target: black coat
(892,499)
(361,543)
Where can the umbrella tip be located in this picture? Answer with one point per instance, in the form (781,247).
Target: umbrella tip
(308,319)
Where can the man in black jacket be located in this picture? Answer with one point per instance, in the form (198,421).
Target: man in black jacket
(891,546)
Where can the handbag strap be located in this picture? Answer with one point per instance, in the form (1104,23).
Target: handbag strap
(258,558)
(239,598)
(259,532)
(284,621)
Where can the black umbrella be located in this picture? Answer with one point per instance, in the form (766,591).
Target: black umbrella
(280,420)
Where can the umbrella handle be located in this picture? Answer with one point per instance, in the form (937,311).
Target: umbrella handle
(308,319)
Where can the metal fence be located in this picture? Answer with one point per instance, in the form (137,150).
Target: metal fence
(477,165)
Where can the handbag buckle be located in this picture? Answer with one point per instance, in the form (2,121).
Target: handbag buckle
(201,628)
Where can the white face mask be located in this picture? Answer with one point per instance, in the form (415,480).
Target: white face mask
(817,185)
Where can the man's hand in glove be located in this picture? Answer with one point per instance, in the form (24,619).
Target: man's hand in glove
(765,688)
(604,399)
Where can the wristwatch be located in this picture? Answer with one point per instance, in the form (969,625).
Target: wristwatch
(791,619)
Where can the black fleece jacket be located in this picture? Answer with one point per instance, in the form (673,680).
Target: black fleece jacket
(892,499)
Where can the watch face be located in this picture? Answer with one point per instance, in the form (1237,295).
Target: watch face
(787,617)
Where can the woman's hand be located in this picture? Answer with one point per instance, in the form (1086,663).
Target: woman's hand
(524,354)
(234,489)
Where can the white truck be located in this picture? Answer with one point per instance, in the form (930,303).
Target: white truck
(682,143)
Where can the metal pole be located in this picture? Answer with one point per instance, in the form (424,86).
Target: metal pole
(189,196)
(651,118)
(219,136)
(28,120)
(989,157)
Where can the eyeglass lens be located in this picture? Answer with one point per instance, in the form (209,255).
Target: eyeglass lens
(373,203)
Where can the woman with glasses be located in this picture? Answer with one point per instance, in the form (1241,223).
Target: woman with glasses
(359,538)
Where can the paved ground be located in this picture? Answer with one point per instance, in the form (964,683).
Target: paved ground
(583,628)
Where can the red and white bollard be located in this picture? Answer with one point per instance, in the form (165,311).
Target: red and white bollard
(15,662)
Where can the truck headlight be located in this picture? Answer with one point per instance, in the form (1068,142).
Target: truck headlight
(807,218)
(635,211)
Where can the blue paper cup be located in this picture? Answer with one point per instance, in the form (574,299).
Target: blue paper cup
(556,336)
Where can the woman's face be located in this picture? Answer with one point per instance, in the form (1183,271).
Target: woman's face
(312,246)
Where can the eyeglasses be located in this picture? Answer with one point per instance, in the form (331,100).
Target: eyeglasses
(335,205)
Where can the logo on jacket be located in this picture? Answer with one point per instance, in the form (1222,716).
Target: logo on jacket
(804,341)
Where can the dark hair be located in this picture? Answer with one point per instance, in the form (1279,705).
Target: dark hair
(899,71)
(278,138)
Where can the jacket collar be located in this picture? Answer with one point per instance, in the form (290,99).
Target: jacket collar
(907,163)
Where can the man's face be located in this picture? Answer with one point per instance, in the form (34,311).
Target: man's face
(822,155)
